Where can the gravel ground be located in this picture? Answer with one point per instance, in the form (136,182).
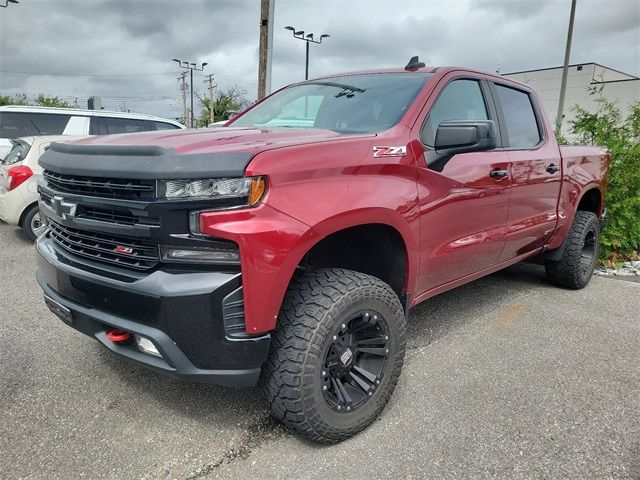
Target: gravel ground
(506,377)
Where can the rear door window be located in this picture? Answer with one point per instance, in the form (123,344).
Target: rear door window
(165,126)
(109,126)
(520,118)
(25,124)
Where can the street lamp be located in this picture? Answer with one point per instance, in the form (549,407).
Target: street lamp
(299,34)
(191,66)
(7,2)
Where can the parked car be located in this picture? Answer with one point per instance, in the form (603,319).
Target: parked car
(25,121)
(19,176)
(290,257)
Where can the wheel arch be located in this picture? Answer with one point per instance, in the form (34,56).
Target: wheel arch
(591,200)
(25,210)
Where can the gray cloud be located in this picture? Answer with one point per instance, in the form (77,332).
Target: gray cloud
(122,49)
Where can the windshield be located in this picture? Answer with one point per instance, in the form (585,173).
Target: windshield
(349,104)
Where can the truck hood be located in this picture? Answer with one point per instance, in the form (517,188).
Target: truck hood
(222,152)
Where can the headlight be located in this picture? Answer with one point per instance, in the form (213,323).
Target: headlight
(246,191)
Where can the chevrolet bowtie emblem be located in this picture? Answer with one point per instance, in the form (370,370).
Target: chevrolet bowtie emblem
(63,209)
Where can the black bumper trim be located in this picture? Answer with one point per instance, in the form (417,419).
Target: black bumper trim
(92,322)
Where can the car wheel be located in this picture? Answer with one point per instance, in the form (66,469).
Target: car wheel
(31,223)
(336,354)
(579,259)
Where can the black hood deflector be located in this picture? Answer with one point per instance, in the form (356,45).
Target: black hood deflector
(141,162)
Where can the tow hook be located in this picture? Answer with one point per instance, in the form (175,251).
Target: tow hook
(117,336)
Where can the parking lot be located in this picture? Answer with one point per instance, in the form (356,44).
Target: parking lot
(506,377)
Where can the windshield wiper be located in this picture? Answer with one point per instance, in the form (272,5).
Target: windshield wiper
(347,90)
(36,127)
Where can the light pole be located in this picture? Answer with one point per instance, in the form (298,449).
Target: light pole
(7,2)
(191,66)
(565,69)
(299,34)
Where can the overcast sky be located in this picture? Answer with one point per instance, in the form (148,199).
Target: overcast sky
(121,50)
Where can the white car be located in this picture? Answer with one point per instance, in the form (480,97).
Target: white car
(24,121)
(19,175)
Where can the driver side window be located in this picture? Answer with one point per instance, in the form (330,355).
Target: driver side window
(460,100)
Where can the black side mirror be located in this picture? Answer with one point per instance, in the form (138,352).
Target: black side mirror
(460,136)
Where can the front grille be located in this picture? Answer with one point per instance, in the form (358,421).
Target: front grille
(114,215)
(101,187)
(123,251)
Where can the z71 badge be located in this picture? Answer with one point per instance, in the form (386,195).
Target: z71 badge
(390,151)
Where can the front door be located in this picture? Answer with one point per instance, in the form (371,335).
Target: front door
(463,205)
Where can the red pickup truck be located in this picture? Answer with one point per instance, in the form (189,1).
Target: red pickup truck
(287,248)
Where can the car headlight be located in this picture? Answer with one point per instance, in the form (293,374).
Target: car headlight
(247,191)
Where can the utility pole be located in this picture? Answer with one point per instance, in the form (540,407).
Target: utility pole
(209,79)
(266,46)
(565,69)
(183,88)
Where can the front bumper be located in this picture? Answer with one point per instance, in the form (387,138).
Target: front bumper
(186,314)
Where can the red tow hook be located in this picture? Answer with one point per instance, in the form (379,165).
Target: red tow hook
(116,335)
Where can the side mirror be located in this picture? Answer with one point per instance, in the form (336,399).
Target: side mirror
(460,136)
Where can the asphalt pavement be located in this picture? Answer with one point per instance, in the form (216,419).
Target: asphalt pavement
(506,377)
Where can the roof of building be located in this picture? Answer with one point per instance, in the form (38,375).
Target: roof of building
(631,77)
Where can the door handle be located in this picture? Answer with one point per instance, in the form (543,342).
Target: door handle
(498,173)
(553,168)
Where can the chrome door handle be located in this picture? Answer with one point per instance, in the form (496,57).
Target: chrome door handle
(498,173)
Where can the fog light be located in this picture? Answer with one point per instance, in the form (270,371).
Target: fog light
(146,346)
(200,255)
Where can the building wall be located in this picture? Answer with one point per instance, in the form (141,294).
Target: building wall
(619,87)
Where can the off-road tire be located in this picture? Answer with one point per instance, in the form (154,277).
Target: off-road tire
(315,305)
(569,271)
(27,222)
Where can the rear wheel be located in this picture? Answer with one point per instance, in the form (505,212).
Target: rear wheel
(31,223)
(575,268)
(336,355)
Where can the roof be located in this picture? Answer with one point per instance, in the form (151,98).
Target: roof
(84,113)
(430,70)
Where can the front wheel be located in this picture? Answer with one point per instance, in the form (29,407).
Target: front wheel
(31,223)
(336,355)
(575,268)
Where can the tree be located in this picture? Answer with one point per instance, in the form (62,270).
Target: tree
(607,127)
(17,99)
(43,101)
(225,104)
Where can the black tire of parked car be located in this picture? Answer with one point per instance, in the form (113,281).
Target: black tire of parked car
(334,325)
(31,224)
(575,268)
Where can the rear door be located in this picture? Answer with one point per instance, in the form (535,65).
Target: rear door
(463,208)
(535,171)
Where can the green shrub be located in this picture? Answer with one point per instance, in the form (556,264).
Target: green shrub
(620,240)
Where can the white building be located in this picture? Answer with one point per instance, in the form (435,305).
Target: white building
(619,87)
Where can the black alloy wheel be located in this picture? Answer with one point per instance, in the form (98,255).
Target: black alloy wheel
(355,361)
